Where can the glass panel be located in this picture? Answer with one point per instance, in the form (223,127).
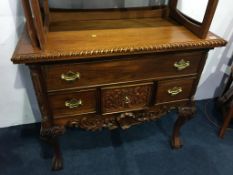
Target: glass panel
(194,9)
(95,4)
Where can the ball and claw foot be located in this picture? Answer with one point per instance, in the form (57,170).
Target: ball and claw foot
(57,163)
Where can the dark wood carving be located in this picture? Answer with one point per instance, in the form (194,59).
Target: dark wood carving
(125,98)
(124,120)
(128,119)
(53,131)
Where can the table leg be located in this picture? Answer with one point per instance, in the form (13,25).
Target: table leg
(185,114)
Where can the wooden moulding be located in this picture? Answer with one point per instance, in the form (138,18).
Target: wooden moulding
(199,29)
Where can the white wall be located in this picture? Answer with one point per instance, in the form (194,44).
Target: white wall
(15,106)
(17,100)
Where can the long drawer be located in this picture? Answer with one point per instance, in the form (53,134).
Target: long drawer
(137,68)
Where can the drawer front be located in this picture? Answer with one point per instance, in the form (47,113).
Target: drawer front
(173,90)
(74,103)
(122,70)
(124,98)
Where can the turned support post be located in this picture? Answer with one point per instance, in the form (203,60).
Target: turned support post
(184,114)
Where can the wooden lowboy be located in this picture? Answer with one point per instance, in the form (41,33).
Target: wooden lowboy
(97,69)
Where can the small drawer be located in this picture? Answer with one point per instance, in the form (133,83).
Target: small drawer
(123,70)
(74,103)
(173,90)
(124,98)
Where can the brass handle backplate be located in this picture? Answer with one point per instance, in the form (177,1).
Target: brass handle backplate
(182,64)
(73,103)
(70,76)
(175,91)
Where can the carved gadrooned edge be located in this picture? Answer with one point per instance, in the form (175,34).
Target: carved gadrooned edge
(123,120)
(72,55)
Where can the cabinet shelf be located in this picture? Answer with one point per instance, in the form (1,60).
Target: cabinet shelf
(80,34)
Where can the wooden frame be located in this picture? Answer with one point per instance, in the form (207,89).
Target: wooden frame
(200,29)
(30,23)
(35,26)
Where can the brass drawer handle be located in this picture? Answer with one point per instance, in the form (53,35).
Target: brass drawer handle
(70,76)
(182,64)
(73,103)
(127,100)
(175,91)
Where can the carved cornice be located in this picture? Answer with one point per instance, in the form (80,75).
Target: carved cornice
(74,55)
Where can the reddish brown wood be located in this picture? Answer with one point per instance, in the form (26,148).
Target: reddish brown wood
(59,109)
(185,114)
(61,15)
(185,84)
(113,37)
(112,68)
(29,23)
(42,98)
(38,23)
(57,162)
(46,15)
(122,70)
(227,119)
(48,132)
(125,98)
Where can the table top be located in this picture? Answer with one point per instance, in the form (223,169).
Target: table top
(101,38)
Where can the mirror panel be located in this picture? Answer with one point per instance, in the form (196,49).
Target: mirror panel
(193,9)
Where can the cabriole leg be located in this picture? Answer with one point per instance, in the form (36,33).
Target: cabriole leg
(185,114)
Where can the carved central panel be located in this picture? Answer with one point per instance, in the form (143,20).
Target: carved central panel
(125,98)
